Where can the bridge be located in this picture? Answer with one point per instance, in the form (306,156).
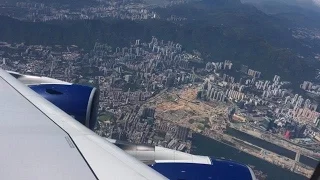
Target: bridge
(296,160)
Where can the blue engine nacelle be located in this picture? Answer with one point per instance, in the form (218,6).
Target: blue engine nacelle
(218,169)
(79,101)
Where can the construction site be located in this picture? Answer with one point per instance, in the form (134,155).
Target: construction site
(181,107)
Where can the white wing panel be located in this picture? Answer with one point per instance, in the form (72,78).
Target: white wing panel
(105,159)
(33,146)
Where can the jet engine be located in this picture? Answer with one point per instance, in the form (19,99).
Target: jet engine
(79,101)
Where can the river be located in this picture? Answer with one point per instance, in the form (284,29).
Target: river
(271,147)
(206,146)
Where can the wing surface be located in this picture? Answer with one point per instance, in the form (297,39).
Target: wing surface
(39,141)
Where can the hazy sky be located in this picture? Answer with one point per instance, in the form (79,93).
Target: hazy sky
(293,2)
(317,2)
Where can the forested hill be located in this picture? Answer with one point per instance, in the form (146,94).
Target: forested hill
(215,43)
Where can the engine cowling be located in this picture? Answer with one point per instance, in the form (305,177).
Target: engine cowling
(79,101)
(218,169)
(180,165)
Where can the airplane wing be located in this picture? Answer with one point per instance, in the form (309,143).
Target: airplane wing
(40,141)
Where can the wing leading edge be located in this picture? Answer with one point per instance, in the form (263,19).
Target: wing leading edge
(42,142)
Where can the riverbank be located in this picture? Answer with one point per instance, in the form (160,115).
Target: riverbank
(203,145)
(261,153)
(273,144)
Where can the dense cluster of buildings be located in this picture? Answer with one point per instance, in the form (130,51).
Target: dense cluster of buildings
(245,69)
(269,105)
(312,89)
(130,76)
(306,33)
(126,77)
(124,9)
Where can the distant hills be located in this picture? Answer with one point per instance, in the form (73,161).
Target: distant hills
(220,29)
(66,3)
(299,13)
(282,5)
